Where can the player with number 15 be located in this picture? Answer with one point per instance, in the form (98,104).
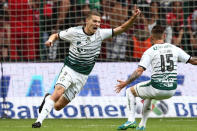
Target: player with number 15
(163,58)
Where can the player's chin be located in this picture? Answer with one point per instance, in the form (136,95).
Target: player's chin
(93,31)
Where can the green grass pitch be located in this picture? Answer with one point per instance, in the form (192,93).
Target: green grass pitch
(164,124)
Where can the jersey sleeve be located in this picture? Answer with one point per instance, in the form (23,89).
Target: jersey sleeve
(67,34)
(145,60)
(106,33)
(182,55)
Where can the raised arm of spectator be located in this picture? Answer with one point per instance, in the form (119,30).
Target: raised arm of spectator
(177,40)
(127,24)
(193,40)
(63,10)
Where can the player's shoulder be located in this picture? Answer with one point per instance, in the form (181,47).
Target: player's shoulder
(103,29)
(76,28)
(152,48)
(73,30)
(161,46)
(171,46)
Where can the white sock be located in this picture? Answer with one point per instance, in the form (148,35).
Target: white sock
(145,112)
(49,104)
(131,103)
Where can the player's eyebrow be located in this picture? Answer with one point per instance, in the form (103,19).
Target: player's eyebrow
(97,21)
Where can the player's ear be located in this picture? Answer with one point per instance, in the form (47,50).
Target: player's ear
(87,19)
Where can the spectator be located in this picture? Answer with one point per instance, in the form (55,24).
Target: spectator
(177,34)
(56,13)
(194,22)
(119,12)
(93,4)
(176,14)
(141,42)
(3,5)
(106,9)
(35,5)
(4,36)
(107,5)
(140,36)
(193,42)
(155,17)
(22,31)
(192,29)
(60,10)
(117,51)
(175,19)
(84,7)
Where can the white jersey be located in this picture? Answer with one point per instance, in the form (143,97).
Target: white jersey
(84,49)
(163,59)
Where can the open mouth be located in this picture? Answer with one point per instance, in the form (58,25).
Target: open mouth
(95,28)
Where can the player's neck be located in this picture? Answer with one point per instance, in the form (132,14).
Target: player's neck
(86,31)
(158,42)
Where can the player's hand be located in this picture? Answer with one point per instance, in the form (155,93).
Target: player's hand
(49,43)
(120,86)
(137,12)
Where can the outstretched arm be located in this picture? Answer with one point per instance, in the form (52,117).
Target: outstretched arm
(51,40)
(137,73)
(127,24)
(193,60)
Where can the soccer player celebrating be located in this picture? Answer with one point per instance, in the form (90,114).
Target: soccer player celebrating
(85,46)
(163,58)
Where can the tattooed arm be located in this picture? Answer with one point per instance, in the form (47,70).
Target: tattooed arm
(137,73)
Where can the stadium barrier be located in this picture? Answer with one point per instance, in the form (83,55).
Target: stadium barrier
(28,82)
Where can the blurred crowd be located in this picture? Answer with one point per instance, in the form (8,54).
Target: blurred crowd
(26,24)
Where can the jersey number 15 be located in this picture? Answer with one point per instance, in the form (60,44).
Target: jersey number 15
(166,62)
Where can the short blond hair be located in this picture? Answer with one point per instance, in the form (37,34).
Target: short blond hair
(93,12)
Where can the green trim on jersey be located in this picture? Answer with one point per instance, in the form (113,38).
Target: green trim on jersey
(162,86)
(167,81)
(79,67)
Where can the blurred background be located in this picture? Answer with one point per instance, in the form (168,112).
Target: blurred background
(27,24)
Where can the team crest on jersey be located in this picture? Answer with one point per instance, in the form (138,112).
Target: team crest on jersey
(88,40)
(65,73)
